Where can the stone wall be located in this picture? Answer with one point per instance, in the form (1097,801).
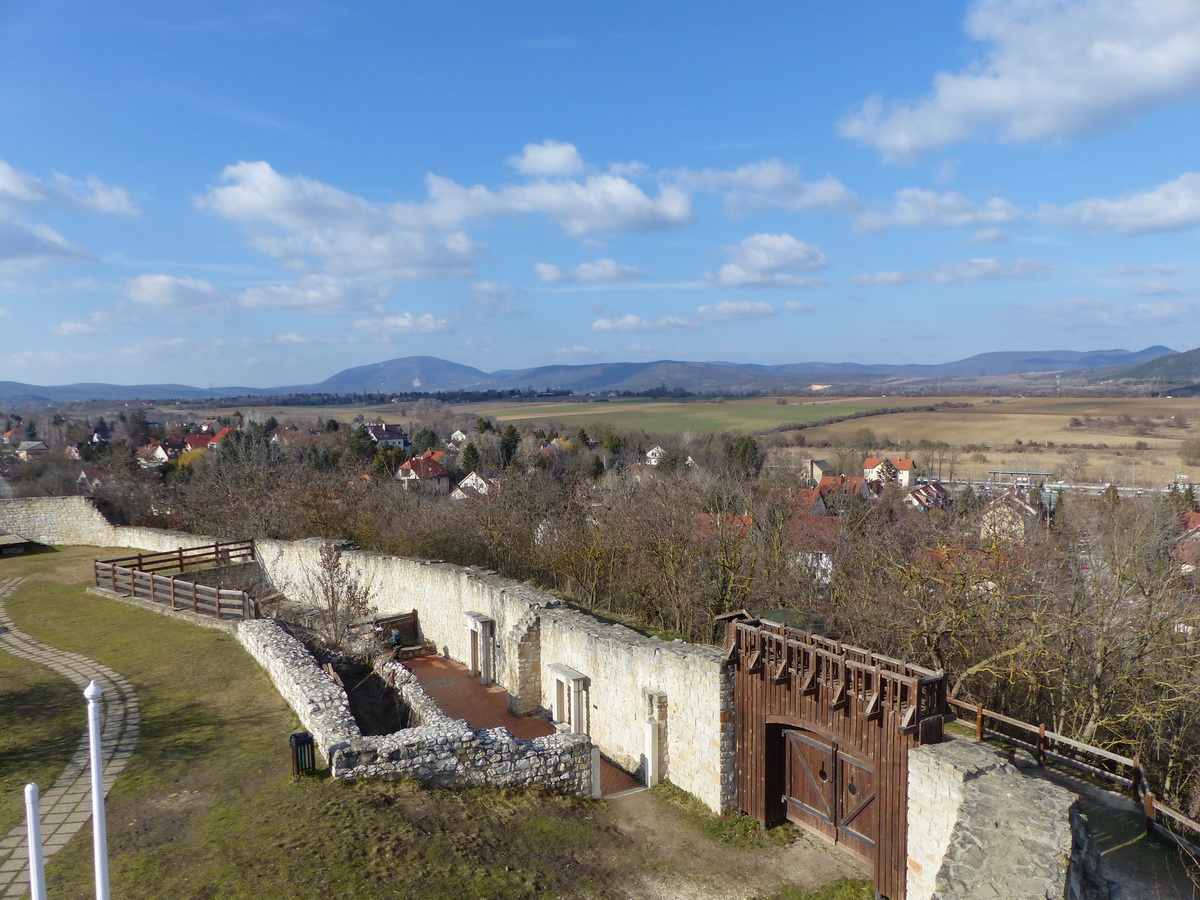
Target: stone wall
(437,749)
(76,521)
(978,828)
(533,630)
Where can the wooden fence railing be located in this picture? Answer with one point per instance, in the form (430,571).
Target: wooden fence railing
(137,576)
(222,553)
(1099,763)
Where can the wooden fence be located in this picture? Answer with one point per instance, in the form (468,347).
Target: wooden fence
(1102,764)
(138,576)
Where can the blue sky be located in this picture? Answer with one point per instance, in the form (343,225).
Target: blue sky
(265,194)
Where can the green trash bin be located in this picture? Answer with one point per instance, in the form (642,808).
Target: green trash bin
(304,754)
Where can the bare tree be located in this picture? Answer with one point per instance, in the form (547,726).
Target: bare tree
(339,592)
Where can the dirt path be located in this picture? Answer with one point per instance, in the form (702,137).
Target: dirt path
(682,863)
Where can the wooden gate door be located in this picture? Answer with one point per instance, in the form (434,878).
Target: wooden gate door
(831,793)
(857,809)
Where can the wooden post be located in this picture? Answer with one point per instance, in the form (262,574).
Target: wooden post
(180,552)
(1148,805)
(152,600)
(1041,745)
(172,592)
(112,571)
(195,599)
(979,721)
(1137,778)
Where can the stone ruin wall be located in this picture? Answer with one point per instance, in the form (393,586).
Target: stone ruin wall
(532,630)
(978,827)
(435,748)
(627,673)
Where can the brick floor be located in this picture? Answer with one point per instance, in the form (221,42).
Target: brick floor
(462,696)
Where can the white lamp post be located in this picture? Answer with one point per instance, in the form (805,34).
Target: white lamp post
(93,693)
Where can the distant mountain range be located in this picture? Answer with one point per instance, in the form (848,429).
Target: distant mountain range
(428,373)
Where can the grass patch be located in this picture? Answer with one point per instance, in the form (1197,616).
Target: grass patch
(45,717)
(842,889)
(733,829)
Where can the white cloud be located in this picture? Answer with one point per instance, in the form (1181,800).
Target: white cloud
(600,203)
(90,193)
(4,312)
(307,223)
(770,183)
(989,236)
(602,271)
(1052,70)
(1168,207)
(33,246)
(799,306)
(311,225)
(630,323)
(74,329)
(167,292)
(577,351)
(404,323)
(548,158)
(549,273)
(325,295)
(1098,312)
(921,207)
(729,311)
(962,271)
(769,260)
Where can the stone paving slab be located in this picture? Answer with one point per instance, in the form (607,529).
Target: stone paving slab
(66,806)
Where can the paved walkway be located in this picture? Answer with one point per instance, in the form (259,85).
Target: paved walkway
(462,696)
(66,806)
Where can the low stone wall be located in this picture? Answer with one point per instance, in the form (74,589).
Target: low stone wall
(979,828)
(439,750)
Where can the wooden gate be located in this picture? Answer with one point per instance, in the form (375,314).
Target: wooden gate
(823,733)
(831,793)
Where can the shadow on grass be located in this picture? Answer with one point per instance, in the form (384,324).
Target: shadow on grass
(178,732)
(41,720)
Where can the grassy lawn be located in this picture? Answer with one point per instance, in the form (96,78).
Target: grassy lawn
(45,717)
(207,807)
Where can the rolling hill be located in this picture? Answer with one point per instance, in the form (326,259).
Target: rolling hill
(430,374)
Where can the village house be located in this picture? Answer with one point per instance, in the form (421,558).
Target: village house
(838,491)
(930,496)
(813,470)
(874,469)
(425,473)
(1009,517)
(813,540)
(387,436)
(30,450)
(473,487)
